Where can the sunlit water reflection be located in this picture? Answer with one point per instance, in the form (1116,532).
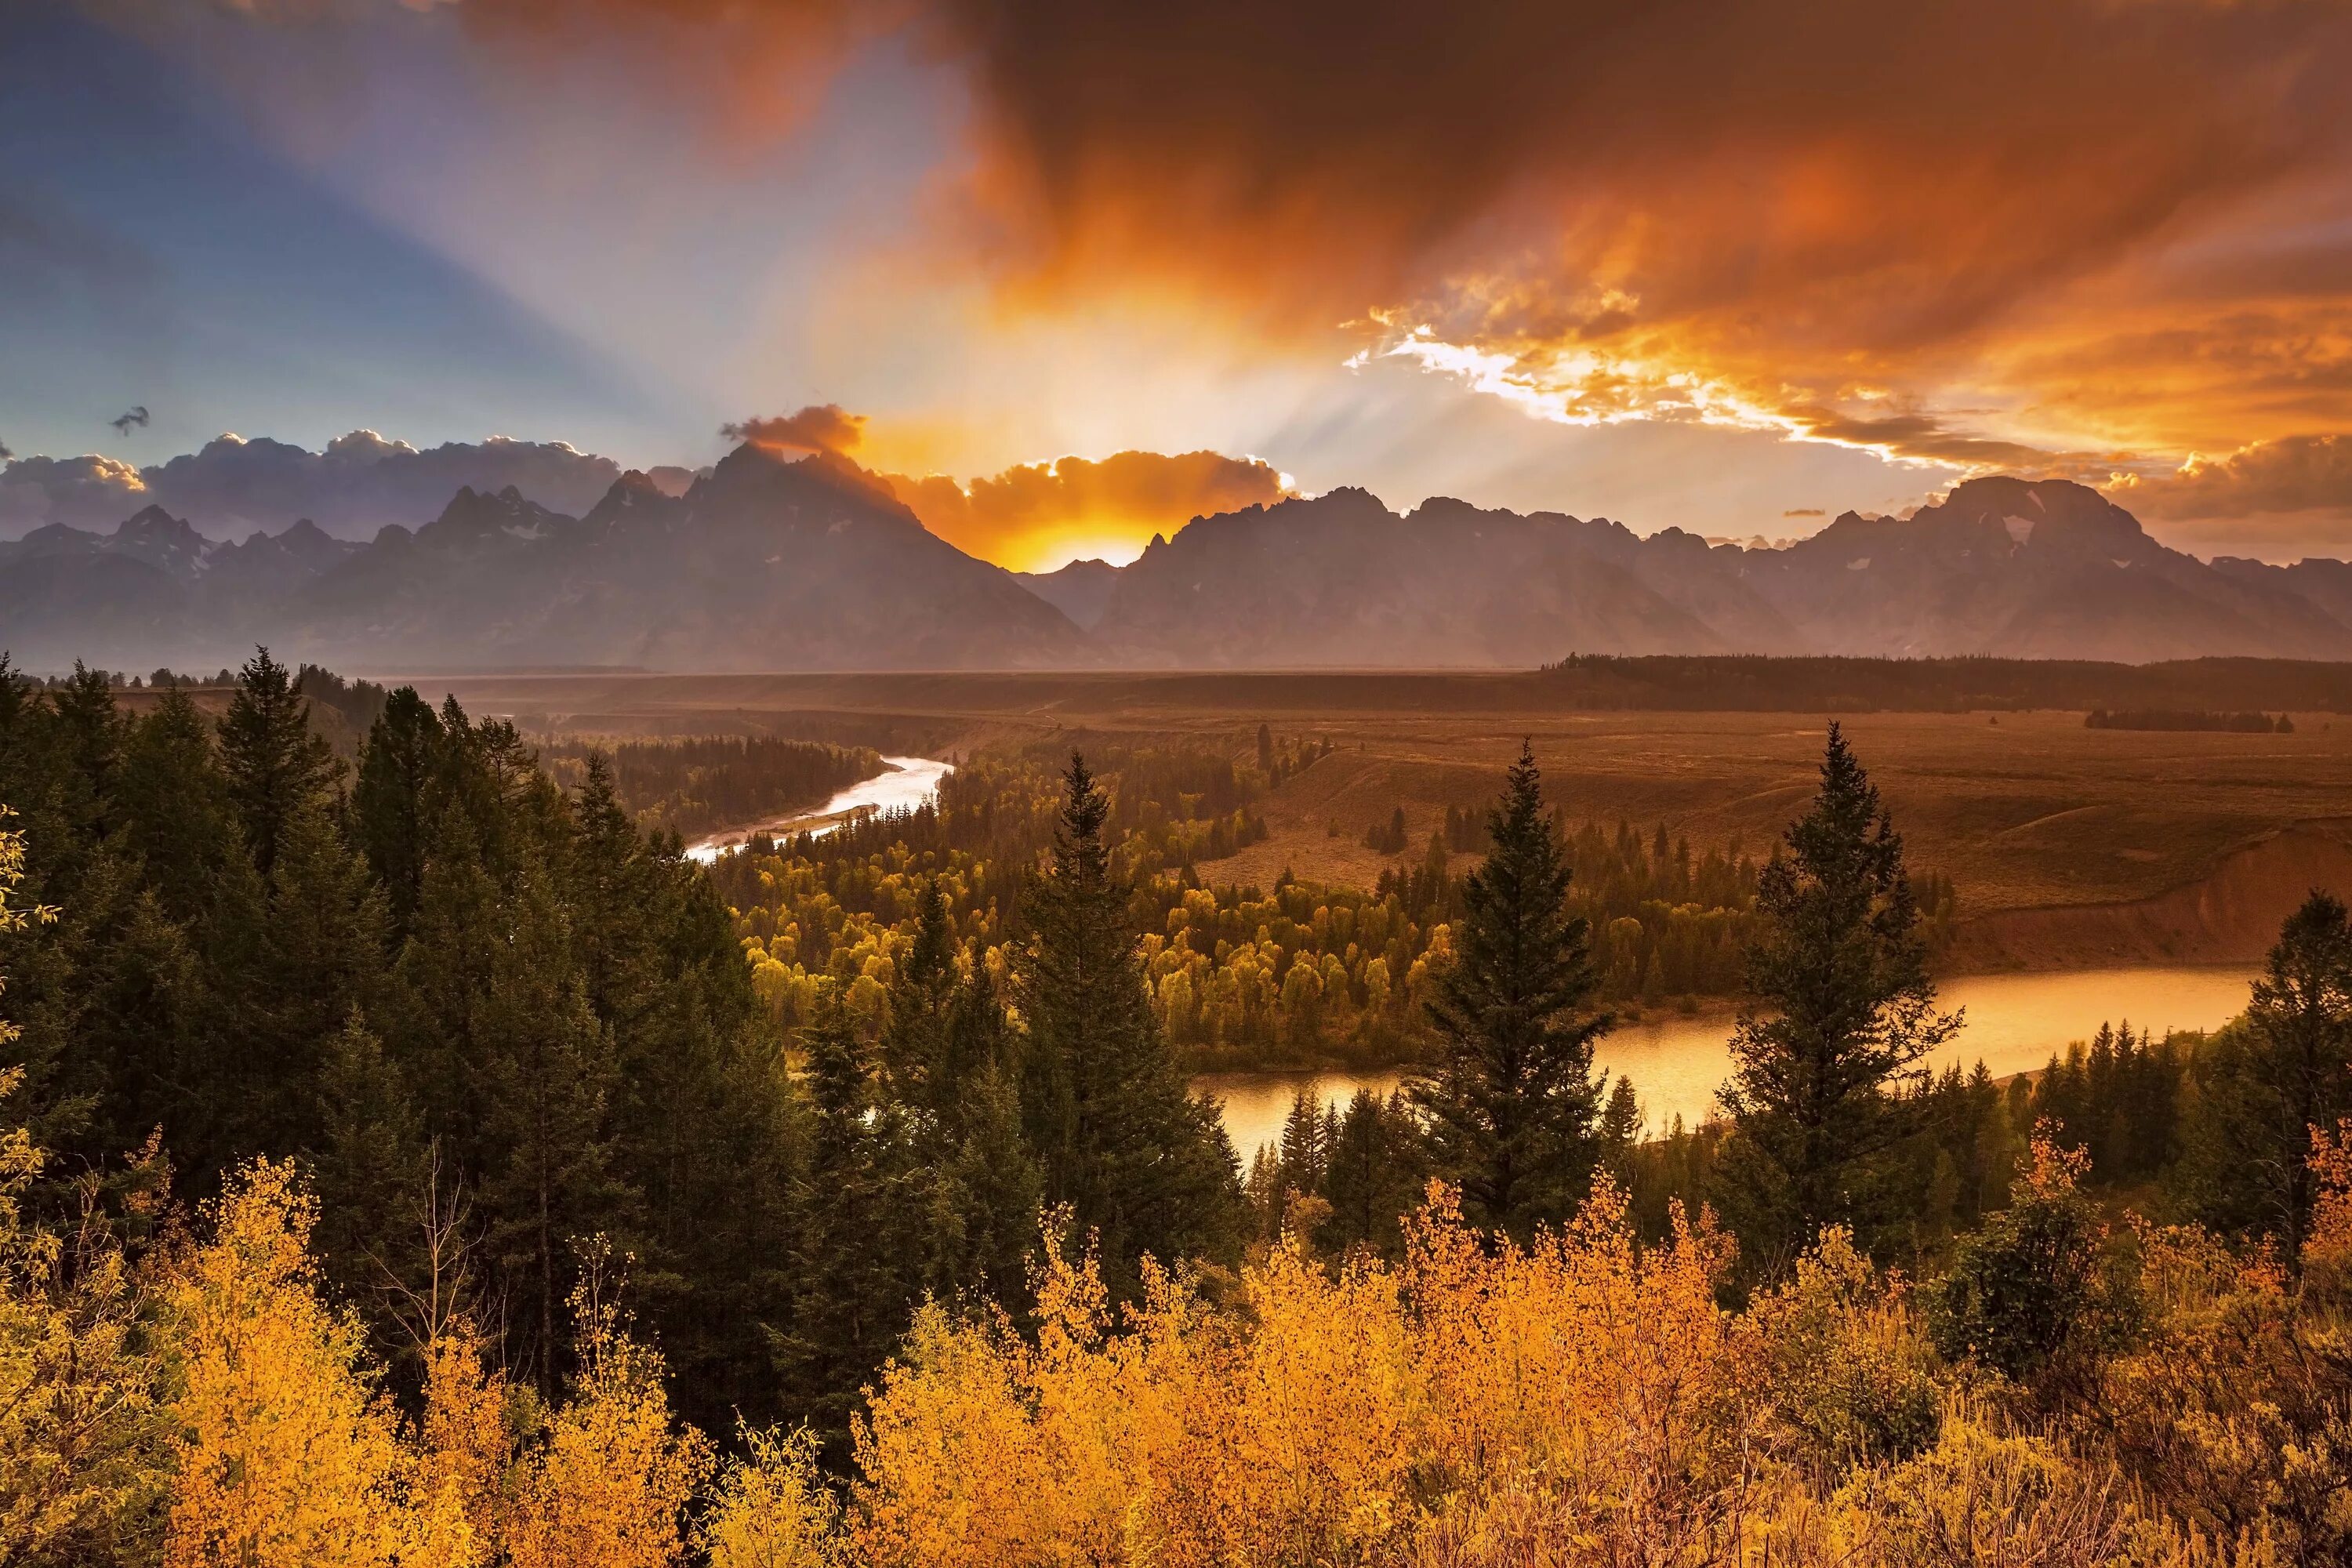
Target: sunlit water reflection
(911,781)
(2013,1023)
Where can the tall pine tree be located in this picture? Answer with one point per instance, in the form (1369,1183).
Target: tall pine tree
(860,1262)
(275,766)
(393,797)
(1512,1106)
(1140,1162)
(1843,1012)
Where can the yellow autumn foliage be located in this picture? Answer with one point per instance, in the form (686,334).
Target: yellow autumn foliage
(773,1510)
(289,1455)
(82,1432)
(1357,1415)
(467,1438)
(609,1484)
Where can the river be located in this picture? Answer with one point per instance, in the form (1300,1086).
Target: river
(908,783)
(2013,1023)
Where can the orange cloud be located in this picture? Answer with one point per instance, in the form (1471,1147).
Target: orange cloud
(2062,235)
(2300,474)
(2044,235)
(818,427)
(1035,516)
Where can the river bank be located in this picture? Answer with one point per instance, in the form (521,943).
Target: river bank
(907,783)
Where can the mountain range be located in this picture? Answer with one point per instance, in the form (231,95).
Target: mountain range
(765,563)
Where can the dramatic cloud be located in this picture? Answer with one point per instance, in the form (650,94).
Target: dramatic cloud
(1036,515)
(2084,237)
(818,427)
(81,492)
(2300,474)
(1736,213)
(2041,234)
(360,483)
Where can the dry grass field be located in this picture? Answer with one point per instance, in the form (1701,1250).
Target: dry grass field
(2197,837)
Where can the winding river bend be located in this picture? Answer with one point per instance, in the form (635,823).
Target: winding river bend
(2013,1023)
(905,783)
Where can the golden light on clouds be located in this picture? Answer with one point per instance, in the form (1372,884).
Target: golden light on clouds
(1036,515)
(2110,240)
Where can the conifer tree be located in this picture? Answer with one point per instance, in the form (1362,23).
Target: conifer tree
(923,996)
(368,1157)
(174,800)
(1377,1172)
(275,765)
(1843,1011)
(609,889)
(1119,1139)
(392,798)
(859,1261)
(2268,1082)
(89,733)
(1512,1106)
(544,1073)
(324,945)
(993,1181)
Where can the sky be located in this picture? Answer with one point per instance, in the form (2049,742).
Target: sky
(1071,273)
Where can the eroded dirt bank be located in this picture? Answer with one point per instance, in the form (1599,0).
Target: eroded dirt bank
(2231,916)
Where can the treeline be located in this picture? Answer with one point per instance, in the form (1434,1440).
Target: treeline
(2216,1131)
(1834,685)
(358,702)
(2256,724)
(436,966)
(693,786)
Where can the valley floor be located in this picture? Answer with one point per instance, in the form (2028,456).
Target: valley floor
(2069,846)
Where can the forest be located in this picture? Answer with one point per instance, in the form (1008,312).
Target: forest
(694,785)
(1297,975)
(2252,723)
(414,1158)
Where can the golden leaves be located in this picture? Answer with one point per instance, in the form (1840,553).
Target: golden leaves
(289,1454)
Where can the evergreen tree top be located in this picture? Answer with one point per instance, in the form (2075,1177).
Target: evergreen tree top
(1081,859)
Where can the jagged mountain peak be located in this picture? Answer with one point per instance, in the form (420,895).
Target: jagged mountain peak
(474,519)
(170,544)
(779,561)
